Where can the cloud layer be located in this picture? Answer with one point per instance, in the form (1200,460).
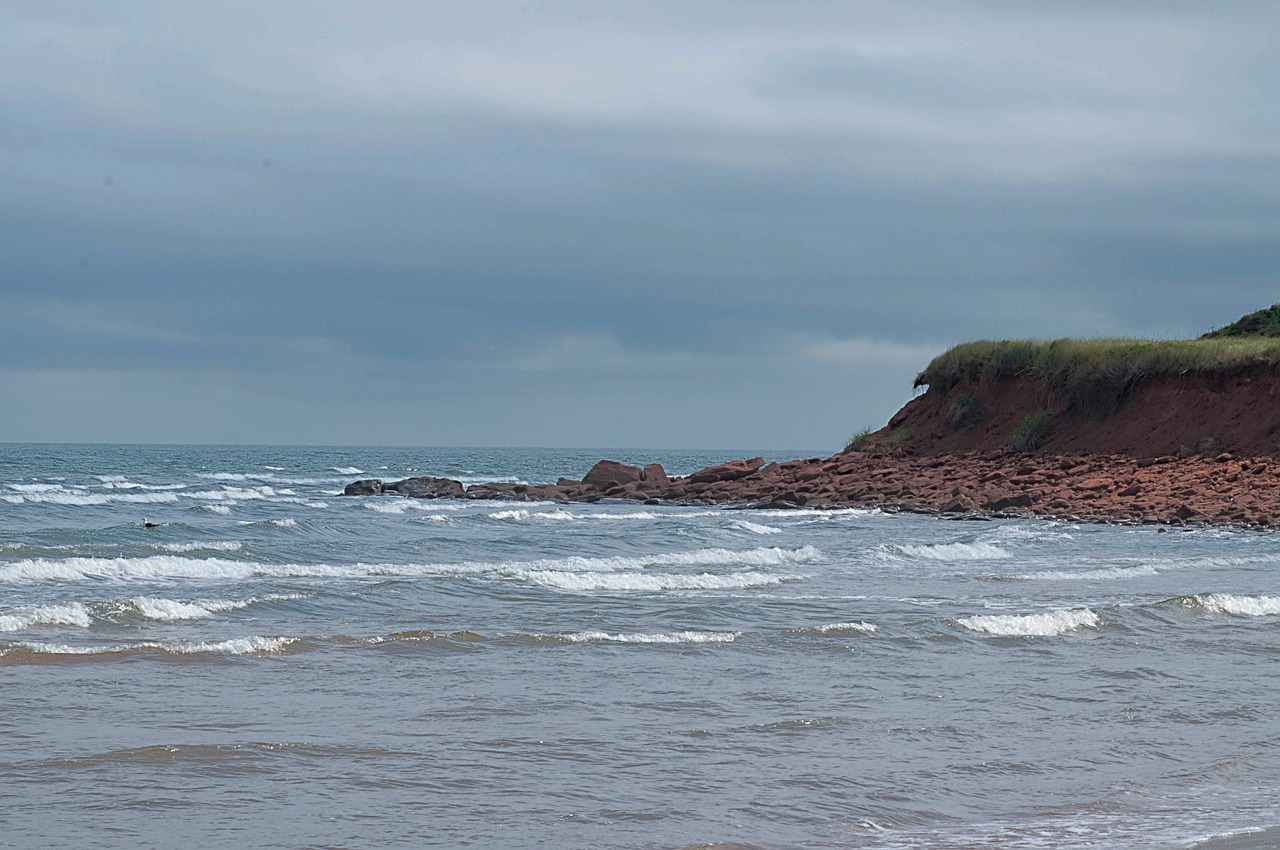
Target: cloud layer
(697,224)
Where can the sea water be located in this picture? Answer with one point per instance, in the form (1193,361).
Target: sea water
(275,665)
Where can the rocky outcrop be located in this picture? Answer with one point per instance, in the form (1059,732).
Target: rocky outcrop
(609,473)
(363,487)
(426,487)
(1179,451)
(1222,489)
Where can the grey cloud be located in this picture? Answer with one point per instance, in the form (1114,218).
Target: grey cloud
(585,207)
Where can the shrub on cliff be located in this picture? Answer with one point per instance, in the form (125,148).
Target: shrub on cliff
(1031,432)
(965,412)
(1262,323)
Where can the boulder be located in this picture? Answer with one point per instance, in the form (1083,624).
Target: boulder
(426,487)
(363,487)
(609,473)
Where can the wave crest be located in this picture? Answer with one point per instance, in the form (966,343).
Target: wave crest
(1047,624)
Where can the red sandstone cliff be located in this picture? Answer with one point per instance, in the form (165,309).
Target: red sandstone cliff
(1163,416)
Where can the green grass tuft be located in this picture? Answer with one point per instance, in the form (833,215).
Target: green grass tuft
(1031,432)
(858,442)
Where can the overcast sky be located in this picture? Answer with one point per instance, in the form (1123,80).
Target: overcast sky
(695,224)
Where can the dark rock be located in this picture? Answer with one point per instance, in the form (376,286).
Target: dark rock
(363,487)
(1022,500)
(489,491)
(426,487)
(610,473)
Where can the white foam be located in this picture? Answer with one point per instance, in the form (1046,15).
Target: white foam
(346,470)
(82,498)
(1105,574)
(663,637)
(176,567)
(970,551)
(253,644)
(210,546)
(62,614)
(122,484)
(1045,624)
(1245,606)
(240,493)
(262,476)
(278,523)
(170,609)
(38,488)
(755,528)
(516,514)
(1019,532)
(845,627)
(562,515)
(398,506)
(216,509)
(642,582)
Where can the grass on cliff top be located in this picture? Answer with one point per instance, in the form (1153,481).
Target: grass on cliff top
(1094,375)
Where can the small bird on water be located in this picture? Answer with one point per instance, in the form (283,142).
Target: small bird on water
(146,524)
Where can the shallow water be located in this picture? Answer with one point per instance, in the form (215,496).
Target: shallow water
(277,666)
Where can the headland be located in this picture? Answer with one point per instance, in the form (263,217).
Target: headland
(1103,430)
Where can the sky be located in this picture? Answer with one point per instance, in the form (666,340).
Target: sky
(694,224)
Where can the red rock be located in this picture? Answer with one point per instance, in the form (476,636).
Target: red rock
(654,474)
(610,473)
(730,471)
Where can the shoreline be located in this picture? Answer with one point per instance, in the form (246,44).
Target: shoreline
(1221,491)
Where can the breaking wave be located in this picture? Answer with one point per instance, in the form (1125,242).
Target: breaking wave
(962,551)
(177,567)
(663,637)
(62,614)
(210,546)
(839,628)
(1104,574)
(252,645)
(169,609)
(1047,624)
(640,581)
(1227,603)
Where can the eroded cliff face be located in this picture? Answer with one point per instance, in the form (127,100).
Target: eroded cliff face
(1164,416)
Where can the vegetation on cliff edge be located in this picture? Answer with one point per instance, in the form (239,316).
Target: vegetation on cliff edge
(1094,375)
(1262,323)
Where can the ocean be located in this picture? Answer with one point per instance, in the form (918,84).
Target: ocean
(275,665)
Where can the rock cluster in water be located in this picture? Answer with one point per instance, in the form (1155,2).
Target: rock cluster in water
(1220,490)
